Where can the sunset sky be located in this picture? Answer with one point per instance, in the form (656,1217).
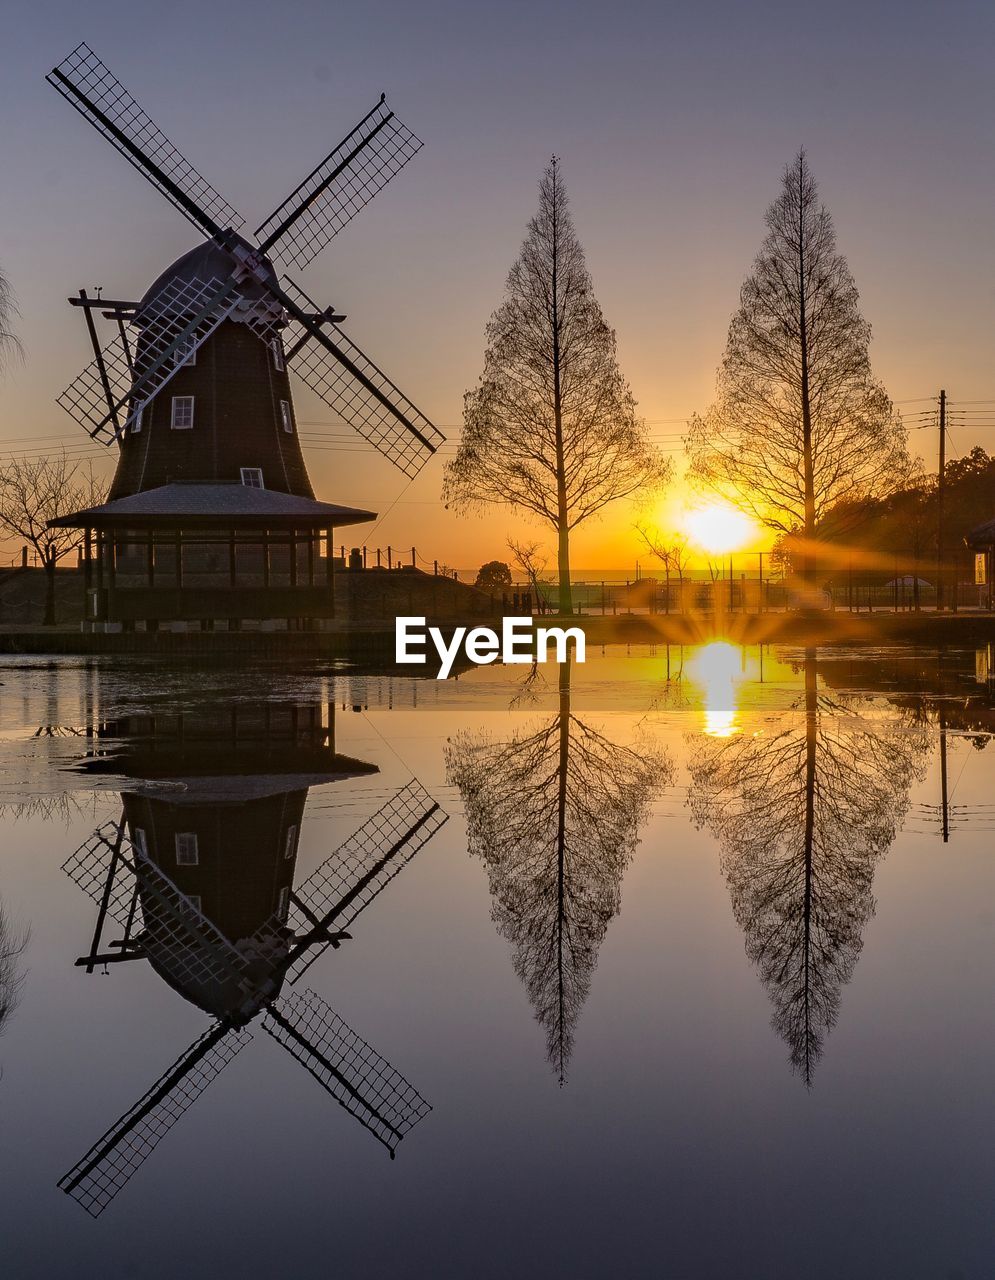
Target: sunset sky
(673,123)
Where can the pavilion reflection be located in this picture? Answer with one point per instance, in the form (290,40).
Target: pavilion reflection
(803,809)
(198,878)
(554,813)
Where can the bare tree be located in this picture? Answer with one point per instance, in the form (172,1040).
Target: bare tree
(799,424)
(62,807)
(34,491)
(529,560)
(12,946)
(9,343)
(551,428)
(672,553)
(802,813)
(554,814)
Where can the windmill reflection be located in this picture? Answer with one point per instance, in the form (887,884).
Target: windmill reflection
(200,882)
(554,813)
(802,812)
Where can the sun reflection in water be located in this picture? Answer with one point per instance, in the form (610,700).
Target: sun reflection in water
(717,668)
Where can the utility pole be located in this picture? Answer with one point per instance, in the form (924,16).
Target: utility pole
(940,494)
(945,804)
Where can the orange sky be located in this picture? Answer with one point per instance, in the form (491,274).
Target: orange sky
(672,143)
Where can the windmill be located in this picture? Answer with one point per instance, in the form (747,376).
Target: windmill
(220,330)
(240,981)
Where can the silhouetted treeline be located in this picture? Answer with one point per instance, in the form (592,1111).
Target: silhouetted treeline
(876,532)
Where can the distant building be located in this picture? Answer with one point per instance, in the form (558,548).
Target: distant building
(982,542)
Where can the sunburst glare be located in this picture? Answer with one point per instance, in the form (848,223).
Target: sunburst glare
(719,527)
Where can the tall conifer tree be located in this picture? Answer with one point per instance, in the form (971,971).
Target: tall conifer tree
(551,427)
(799,424)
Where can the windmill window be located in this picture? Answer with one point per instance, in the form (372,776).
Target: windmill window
(187,853)
(185,353)
(277,347)
(194,900)
(136,421)
(283,902)
(139,841)
(290,843)
(252,477)
(285,418)
(181,418)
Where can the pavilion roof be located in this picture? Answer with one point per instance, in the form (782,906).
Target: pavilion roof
(221,505)
(982,536)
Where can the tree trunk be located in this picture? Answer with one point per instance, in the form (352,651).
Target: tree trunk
(561,850)
(808,474)
(562,513)
(563,559)
(811,739)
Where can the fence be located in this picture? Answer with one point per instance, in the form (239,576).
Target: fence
(740,583)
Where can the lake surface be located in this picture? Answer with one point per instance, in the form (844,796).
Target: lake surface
(675,964)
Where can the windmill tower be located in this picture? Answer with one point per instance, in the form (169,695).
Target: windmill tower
(201,886)
(211,519)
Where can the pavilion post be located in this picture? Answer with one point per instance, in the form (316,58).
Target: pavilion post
(87,558)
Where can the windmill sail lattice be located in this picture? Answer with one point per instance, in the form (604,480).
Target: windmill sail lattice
(356,1076)
(343,184)
(89,86)
(197,952)
(91,865)
(182,317)
(347,882)
(109,1163)
(374,406)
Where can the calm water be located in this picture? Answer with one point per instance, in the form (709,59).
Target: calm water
(663,968)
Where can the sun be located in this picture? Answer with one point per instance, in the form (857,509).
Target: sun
(719,527)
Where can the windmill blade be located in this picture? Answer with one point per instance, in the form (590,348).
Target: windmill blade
(355,388)
(333,193)
(201,961)
(96,866)
(108,1165)
(87,85)
(91,398)
(178,320)
(356,1076)
(331,898)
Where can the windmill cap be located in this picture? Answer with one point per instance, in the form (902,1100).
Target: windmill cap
(205,262)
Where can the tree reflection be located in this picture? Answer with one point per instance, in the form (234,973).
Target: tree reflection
(554,813)
(12,945)
(802,814)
